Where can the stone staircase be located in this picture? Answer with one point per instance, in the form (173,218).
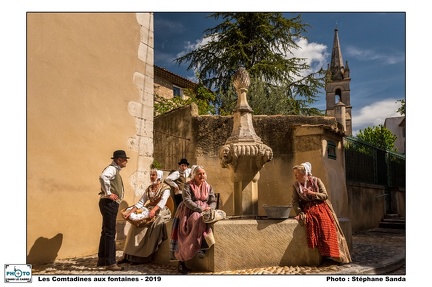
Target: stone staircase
(394,221)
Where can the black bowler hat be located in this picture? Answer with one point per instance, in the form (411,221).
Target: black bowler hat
(183,161)
(119,154)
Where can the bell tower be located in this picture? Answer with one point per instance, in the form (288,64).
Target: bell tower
(337,86)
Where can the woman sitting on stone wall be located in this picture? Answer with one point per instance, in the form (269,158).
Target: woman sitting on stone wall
(314,210)
(190,235)
(142,242)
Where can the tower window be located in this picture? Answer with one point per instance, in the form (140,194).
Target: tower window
(338,96)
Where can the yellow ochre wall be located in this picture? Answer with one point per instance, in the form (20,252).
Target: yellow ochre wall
(87,75)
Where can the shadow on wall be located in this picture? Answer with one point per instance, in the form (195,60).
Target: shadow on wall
(298,250)
(45,250)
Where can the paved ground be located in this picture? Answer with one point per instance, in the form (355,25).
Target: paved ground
(376,251)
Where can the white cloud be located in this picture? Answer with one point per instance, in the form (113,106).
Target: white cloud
(375,114)
(189,47)
(372,55)
(314,54)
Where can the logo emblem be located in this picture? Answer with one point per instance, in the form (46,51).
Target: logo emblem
(18,273)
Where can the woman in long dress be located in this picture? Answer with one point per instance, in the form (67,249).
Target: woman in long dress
(314,210)
(189,232)
(142,243)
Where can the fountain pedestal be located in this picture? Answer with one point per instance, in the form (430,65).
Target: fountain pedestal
(244,153)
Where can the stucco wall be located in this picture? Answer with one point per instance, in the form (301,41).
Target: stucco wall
(294,139)
(367,206)
(89,78)
(399,202)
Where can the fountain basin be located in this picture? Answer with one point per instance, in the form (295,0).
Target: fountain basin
(251,243)
(277,211)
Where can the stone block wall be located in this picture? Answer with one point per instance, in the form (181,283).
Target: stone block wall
(293,139)
(248,243)
(163,87)
(367,206)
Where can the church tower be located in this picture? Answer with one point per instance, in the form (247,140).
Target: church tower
(337,86)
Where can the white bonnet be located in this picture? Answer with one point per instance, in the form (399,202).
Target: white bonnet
(193,167)
(308,167)
(159,174)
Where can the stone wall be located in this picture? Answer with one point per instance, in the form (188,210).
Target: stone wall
(163,87)
(249,243)
(399,202)
(294,139)
(173,137)
(367,205)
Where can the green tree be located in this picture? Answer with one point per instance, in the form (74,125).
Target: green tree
(378,136)
(263,44)
(155,164)
(401,110)
(200,95)
(163,105)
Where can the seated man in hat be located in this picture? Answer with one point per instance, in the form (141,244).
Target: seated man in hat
(177,179)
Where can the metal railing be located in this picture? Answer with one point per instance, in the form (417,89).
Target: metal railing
(368,164)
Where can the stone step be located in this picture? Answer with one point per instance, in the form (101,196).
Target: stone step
(393,216)
(393,222)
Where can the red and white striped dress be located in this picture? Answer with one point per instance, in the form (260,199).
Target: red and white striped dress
(322,226)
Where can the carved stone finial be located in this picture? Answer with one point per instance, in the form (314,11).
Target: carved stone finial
(241,79)
(241,83)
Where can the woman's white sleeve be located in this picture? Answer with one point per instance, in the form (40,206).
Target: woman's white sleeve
(164,198)
(142,200)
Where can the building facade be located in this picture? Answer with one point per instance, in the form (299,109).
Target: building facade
(169,85)
(397,126)
(89,92)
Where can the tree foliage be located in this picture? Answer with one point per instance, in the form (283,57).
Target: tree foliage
(401,109)
(263,44)
(155,164)
(378,136)
(200,95)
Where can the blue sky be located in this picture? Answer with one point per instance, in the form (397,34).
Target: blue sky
(374,44)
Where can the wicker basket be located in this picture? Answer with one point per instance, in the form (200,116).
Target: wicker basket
(138,223)
(148,221)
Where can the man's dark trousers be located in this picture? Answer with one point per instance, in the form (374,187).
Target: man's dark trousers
(107,245)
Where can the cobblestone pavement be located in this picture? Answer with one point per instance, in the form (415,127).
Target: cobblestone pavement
(376,251)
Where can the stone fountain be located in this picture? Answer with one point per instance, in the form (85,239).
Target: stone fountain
(244,153)
(245,241)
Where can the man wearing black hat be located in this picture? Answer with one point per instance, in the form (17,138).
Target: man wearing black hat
(178,178)
(111,194)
